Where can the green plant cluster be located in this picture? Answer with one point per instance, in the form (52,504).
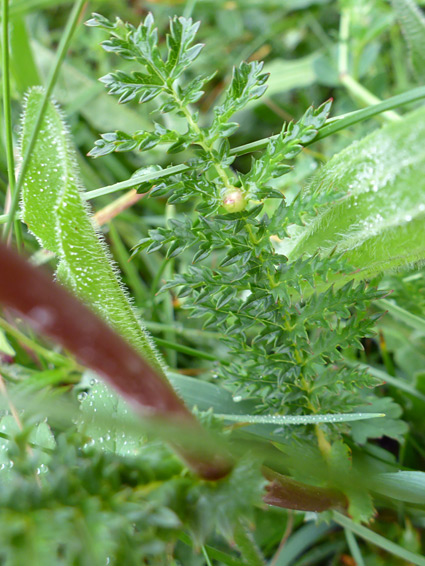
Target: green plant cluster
(284,334)
(288,286)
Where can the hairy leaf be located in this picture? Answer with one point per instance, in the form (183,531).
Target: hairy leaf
(380,224)
(54,210)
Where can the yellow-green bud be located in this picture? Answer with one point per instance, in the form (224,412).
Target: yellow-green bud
(234,200)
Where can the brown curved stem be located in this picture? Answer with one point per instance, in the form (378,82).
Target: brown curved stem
(286,492)
(54,311)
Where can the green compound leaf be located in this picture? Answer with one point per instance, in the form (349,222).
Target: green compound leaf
(55,212)
(380,223)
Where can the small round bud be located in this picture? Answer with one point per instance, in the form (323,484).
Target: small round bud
(234,200)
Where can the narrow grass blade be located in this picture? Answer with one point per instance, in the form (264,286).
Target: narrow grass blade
(300,541)
(399,313)
(354,548)
(404,486)
(344,121)
(300,419)
(378,540)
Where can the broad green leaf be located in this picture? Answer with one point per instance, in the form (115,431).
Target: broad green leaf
(380,222)
(55,212)
(412,23)
(404,486)
(390,425)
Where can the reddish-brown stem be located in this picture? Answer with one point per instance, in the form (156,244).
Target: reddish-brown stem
(53,311)
(283,491)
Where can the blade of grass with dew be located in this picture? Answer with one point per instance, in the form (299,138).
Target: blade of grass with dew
(378,540)
(379,223)
(54,210)
(299,419)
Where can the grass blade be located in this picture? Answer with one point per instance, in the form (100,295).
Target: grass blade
(299,419)
(378,540)
(412,320)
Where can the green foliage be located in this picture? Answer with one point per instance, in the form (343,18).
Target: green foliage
(267,268)
(110,509)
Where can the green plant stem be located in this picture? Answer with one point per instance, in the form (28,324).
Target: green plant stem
(248,548)
(51,81)
(354,87)
(7,109)
(378,540)
(135,282)
(364,95)
(344,30)
(213,552)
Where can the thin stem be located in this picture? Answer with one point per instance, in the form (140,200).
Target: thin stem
(51,81)
(111,210)
(344,30)
(354,87)
(364,95)
(7,107)
(207,558)
(202,142)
